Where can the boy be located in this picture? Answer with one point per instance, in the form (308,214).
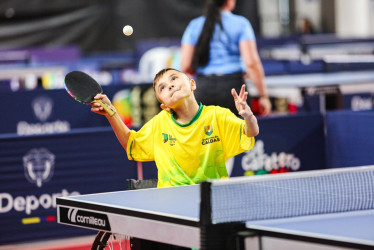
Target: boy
(188,141)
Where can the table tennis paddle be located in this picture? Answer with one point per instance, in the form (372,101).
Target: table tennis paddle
(83,88)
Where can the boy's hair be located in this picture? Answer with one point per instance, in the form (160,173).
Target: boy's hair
(161,73)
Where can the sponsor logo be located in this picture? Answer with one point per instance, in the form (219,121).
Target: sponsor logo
(30,203)
(84,218)
(208,130)
(25,128)
(42,107)
(39,166)
(324,90)
(210,140)
(168,138)
(72,214)
(165,137)
(256,161)
(361,103)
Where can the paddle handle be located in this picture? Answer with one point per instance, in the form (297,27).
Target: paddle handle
(105,106)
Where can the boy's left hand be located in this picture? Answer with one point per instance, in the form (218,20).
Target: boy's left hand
(241,102)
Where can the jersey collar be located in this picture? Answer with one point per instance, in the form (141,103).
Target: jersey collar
(197,115)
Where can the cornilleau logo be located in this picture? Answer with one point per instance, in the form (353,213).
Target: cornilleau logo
(72,214)
(84,218)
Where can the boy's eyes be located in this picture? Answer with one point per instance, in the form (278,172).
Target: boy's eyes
(173,78)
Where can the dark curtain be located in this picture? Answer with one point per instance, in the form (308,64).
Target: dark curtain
(96,25)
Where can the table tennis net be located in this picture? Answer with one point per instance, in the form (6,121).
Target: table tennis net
(293,194)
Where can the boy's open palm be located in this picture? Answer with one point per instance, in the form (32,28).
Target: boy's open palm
(241,102)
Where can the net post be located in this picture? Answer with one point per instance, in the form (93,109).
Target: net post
(205,203)
(215,236)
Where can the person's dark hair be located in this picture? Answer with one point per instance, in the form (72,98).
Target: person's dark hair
(212,15)
(161,73)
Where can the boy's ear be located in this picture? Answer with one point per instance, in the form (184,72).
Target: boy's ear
(166,108)
(193,84)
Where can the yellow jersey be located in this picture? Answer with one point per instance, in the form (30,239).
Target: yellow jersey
(189,153)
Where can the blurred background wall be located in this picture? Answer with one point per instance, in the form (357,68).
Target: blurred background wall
(96,25)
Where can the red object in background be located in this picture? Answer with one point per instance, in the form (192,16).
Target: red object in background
(51,218)
(292,108)
(255,106)
(280,170)
(283,170)
(274,171)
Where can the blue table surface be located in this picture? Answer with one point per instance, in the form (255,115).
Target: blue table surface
(356,226)
(179,202)
(184,202)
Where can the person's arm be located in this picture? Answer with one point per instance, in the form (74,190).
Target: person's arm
(120,129)
(187,51)
(251,126)
(251,59)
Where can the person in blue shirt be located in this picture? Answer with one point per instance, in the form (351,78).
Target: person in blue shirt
(220,49)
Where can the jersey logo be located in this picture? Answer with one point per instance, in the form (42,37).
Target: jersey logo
(208,129)
(209,140)
(166,138)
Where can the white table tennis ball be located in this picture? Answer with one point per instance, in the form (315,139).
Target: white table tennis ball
(127,30)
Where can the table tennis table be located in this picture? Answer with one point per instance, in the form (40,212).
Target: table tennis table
(319,209)
(298,86)
(321,79)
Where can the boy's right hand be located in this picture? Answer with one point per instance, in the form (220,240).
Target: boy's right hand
(97,108)
(241,102)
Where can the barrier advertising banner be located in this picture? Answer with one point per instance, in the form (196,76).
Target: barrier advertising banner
(34,170)
(350,138)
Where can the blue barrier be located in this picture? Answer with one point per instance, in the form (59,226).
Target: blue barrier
(35,55)
(36,169)
(348,66)
(350,138)
(274,67)
(54,111)
(285,144)
(297,67)
(45,111)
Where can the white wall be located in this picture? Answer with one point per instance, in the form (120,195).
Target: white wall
(353,18)
(371,17)
(269,11)
(269,18)
(310,9)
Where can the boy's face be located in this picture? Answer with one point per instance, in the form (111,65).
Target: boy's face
(173,87)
